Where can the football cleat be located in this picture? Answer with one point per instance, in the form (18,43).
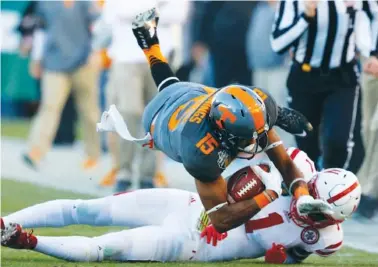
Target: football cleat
(13,236)
(144,28)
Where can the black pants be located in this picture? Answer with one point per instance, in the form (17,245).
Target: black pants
(332,103)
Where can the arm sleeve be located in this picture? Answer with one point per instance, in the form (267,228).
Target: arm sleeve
(290,23)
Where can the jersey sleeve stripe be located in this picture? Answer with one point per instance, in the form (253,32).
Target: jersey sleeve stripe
(295,153)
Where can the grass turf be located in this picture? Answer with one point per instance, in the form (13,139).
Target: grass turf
(32,194)
(15,128)
(19,128)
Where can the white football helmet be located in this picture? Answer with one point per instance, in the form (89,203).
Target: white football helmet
(338,187)
(303,162)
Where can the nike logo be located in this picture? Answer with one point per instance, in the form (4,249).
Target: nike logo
(303,134)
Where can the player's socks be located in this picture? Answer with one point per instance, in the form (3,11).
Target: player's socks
(71,248)
(150,243)
(154,55)
(160,69)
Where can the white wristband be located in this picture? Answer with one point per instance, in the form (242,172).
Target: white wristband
(275,144)
(166,80)
(293,182)
(217,207)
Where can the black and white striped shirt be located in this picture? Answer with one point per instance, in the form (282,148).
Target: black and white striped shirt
(327,41)
(370,9)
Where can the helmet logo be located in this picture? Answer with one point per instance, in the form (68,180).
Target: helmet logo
(310,235)
(226,114)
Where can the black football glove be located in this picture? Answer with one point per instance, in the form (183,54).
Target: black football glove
(293,122)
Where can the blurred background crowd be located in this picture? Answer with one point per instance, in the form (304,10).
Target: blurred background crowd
(65,62)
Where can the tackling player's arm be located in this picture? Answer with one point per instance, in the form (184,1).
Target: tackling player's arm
(213,193)
(293,122)
(226,216)
(289,171)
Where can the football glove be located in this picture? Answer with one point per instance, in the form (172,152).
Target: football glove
(272,179)
(276,254)
(307,204)
(212,235)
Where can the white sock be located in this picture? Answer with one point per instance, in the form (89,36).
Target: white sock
(149,243)
(70,248)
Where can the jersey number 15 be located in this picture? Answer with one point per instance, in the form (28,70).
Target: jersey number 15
(207,144)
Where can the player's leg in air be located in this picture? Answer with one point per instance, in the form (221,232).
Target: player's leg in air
(144,28)
(131,209)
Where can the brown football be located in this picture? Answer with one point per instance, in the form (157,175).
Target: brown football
(245,184)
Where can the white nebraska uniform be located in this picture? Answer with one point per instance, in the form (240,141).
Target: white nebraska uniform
(272,225)
(167,225)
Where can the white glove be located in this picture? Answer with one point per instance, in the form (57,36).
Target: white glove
(307,204)
(272,179)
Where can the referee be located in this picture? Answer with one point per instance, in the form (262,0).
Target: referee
(323,80)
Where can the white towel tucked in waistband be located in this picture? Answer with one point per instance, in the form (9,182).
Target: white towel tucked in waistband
(112,121)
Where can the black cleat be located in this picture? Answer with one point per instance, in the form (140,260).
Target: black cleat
(144,28)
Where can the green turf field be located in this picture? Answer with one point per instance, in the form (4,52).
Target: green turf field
(16,195)
(20,129)
(15,128)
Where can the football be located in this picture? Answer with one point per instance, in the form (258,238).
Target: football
(245,184)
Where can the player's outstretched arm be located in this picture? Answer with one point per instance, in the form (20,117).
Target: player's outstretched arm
(293,178)
(289,171)
(225,216)
(145,31)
